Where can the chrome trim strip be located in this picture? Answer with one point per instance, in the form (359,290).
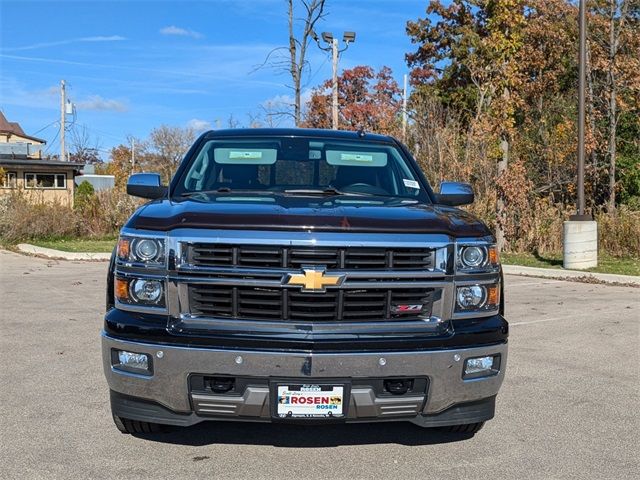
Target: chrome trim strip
(265,272)
(346,284)
(141,308)
(475,314)
(426,326)
(309,238)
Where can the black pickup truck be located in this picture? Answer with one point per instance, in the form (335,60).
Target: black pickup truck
(292,275)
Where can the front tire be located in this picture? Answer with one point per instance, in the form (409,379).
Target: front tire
(134,426)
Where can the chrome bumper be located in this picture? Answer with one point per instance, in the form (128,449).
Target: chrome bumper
(168,386)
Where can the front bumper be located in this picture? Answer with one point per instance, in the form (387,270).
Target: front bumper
(165,396)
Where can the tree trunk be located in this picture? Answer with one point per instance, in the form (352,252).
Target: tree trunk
(503,163)
(500,203)
(612,114)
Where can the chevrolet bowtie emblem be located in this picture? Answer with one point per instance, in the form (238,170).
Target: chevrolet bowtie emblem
(313,279)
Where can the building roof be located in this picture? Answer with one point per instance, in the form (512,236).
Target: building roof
(14,128)
(24,161)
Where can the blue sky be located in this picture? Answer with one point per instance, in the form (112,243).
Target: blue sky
(133,65)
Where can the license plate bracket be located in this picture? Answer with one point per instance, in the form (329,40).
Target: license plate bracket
(294,400)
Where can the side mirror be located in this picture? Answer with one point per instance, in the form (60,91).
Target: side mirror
(146,185)
(455,193)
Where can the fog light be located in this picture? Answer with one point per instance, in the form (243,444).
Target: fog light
(481,366)
(131,362)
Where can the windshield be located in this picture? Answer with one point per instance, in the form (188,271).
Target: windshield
(303,166)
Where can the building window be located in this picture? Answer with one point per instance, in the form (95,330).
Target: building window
(45,180)
(10,180)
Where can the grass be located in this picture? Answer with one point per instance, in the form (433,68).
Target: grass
(606,263)
(78,244)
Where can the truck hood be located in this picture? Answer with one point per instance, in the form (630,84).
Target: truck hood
(295,213)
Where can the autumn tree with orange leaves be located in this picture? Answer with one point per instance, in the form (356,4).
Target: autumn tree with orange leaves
(366,99)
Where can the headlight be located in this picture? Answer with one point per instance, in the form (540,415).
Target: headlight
(473,258)
(147,251)
(139,291)
(470,298)
(146,291)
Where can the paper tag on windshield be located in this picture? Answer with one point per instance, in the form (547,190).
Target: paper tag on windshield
(356,157)
(411,184)
(245,155)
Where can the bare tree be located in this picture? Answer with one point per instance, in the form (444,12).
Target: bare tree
(84,147)
(168,145)
(293,59)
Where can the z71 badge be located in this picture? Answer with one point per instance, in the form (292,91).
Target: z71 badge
(415,308)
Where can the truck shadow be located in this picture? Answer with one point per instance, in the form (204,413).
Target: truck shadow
(303,436)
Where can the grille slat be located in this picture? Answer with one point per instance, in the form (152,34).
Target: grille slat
(224,255)
(258,303)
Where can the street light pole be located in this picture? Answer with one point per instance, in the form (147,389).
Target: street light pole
(332,45)
(580,232)
(334,103)
(581,106)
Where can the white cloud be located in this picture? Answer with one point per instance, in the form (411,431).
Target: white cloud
(96,102)
(182,32)
(199,125)
(98,38)
(101,38)
(286,101)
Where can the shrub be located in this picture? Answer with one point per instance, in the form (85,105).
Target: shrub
(23,219)
(619,232)
(101,214)
(83,196)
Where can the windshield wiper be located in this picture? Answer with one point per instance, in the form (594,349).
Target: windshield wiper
(324,192)
(225,190)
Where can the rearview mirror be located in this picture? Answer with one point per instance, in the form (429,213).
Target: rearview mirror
(146,185)
(455,193)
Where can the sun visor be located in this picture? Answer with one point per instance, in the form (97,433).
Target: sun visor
(356,159)
(245,156)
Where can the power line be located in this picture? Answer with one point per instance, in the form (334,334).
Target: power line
(47,126)
(53,141)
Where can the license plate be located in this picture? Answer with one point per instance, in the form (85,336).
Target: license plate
(310,401)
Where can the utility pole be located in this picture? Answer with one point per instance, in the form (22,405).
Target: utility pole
(334,103)
(63,104)
(404,110)
(332,45)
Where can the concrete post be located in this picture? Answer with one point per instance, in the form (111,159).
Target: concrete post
(580,244)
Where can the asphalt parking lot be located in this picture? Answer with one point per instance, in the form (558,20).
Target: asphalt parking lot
(568,407)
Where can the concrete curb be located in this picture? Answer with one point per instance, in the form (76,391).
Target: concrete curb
(58,254)
(562,274)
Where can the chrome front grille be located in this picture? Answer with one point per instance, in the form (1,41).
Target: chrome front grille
(350,304)
(269,256)
(224,281)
